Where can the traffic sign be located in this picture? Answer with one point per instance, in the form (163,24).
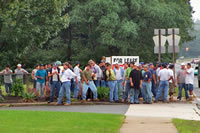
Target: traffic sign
(156,40)
(156,49)
(170,31)
(170,40)
(170,49)
(162,31)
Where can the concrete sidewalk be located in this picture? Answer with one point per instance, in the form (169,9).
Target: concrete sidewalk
(148,125)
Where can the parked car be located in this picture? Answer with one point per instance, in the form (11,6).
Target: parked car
(196,70)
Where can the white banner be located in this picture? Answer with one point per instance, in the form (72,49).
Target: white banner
(122,59)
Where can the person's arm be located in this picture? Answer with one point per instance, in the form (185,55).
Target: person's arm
(33,74)
(177,78)
(84,78)
(154,78)
(46,76)
(150,77)
(131,79)
(2,72)
(74,75)
(24,71)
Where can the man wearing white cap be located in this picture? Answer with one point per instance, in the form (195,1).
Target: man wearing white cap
(20,72)
(181,82)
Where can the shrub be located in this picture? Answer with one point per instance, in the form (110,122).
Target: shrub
(1,99)
(103,93)
(18,87)
(28,97)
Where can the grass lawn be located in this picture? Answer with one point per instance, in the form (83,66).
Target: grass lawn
(187,126)
(58,122)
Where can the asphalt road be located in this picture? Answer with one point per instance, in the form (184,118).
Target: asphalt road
(108,109)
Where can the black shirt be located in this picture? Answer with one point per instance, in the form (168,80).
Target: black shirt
(136,76)
(103,68)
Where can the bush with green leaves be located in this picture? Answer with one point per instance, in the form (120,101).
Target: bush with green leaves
(18,87)
(1,99)
(103,93)
(28,97)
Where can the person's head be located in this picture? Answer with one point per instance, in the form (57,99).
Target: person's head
(88,67)
(171,66)
(132,64)
(45,66)
(55,66)
(42,66)
(116,65)
(164,65)
(49,65)
(188,65)
(58,63)
(19,66)
(151,66)
(91,62)
(125,65)
(108,66)
(77,63)
(102,63)
(136,67)
(7,67)
(37,66)
(66,65)
(146,68)
(182,65)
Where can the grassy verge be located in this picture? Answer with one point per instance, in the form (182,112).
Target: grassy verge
(187,126)
(58,122)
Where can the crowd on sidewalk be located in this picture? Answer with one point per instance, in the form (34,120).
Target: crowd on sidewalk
(127,82)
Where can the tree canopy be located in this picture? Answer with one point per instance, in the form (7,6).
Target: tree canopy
(96,28)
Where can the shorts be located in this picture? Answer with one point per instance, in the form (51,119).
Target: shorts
(171,88)
(189,87)
(34,83)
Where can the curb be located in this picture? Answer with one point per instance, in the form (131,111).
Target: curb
(54,104)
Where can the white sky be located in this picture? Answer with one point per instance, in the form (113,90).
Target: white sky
(196,8)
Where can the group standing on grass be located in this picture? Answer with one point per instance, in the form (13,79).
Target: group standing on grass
(127,83)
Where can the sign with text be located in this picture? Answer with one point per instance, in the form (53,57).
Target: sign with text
(122,59)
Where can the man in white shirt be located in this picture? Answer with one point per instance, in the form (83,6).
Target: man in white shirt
(119,74)
(77,87)
(34,76)
(189,79)
(66,76)
(20,72)
(163,76)
(7,72)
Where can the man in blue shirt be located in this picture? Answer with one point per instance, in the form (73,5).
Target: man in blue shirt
(41,75)
(153,80)
(146,86)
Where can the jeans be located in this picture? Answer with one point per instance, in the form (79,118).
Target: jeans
(120,88)
(66,86)
(127,89)
(164,86)
(103,83)
(113,90)
(134,95)
(40,86)
(55,84)
(180,87)
(189,87)
(154,91)
(92,86)
(8,87)
(97,82)
(146,92)
(77,89)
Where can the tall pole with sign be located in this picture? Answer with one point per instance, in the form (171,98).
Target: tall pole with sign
(159,41)
(173,41)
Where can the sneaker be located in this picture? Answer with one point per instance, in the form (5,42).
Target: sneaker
(136,103)
(155,101)
(58,104)
(67,104)
(83,101)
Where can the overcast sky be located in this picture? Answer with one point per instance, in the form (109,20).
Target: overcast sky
(196,8)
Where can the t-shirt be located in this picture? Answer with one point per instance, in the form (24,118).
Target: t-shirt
(35,71)
(110,75)
(77,72)
(55,76)
(87,74)
(7,76)
(189,78)
(171,73)
(20,72)
(181,76)
(147,76)
(136,76)
(67,75)
(41,73)
(103,69)
(164,75)
(128,71)
(118,74)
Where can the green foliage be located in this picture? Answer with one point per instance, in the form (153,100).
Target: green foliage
(28,97)
(103,93)
(18,87)
(1,99)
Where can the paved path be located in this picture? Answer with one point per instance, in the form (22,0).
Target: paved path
(147,125)
(110,109)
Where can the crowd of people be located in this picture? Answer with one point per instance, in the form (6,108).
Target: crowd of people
(127,83)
